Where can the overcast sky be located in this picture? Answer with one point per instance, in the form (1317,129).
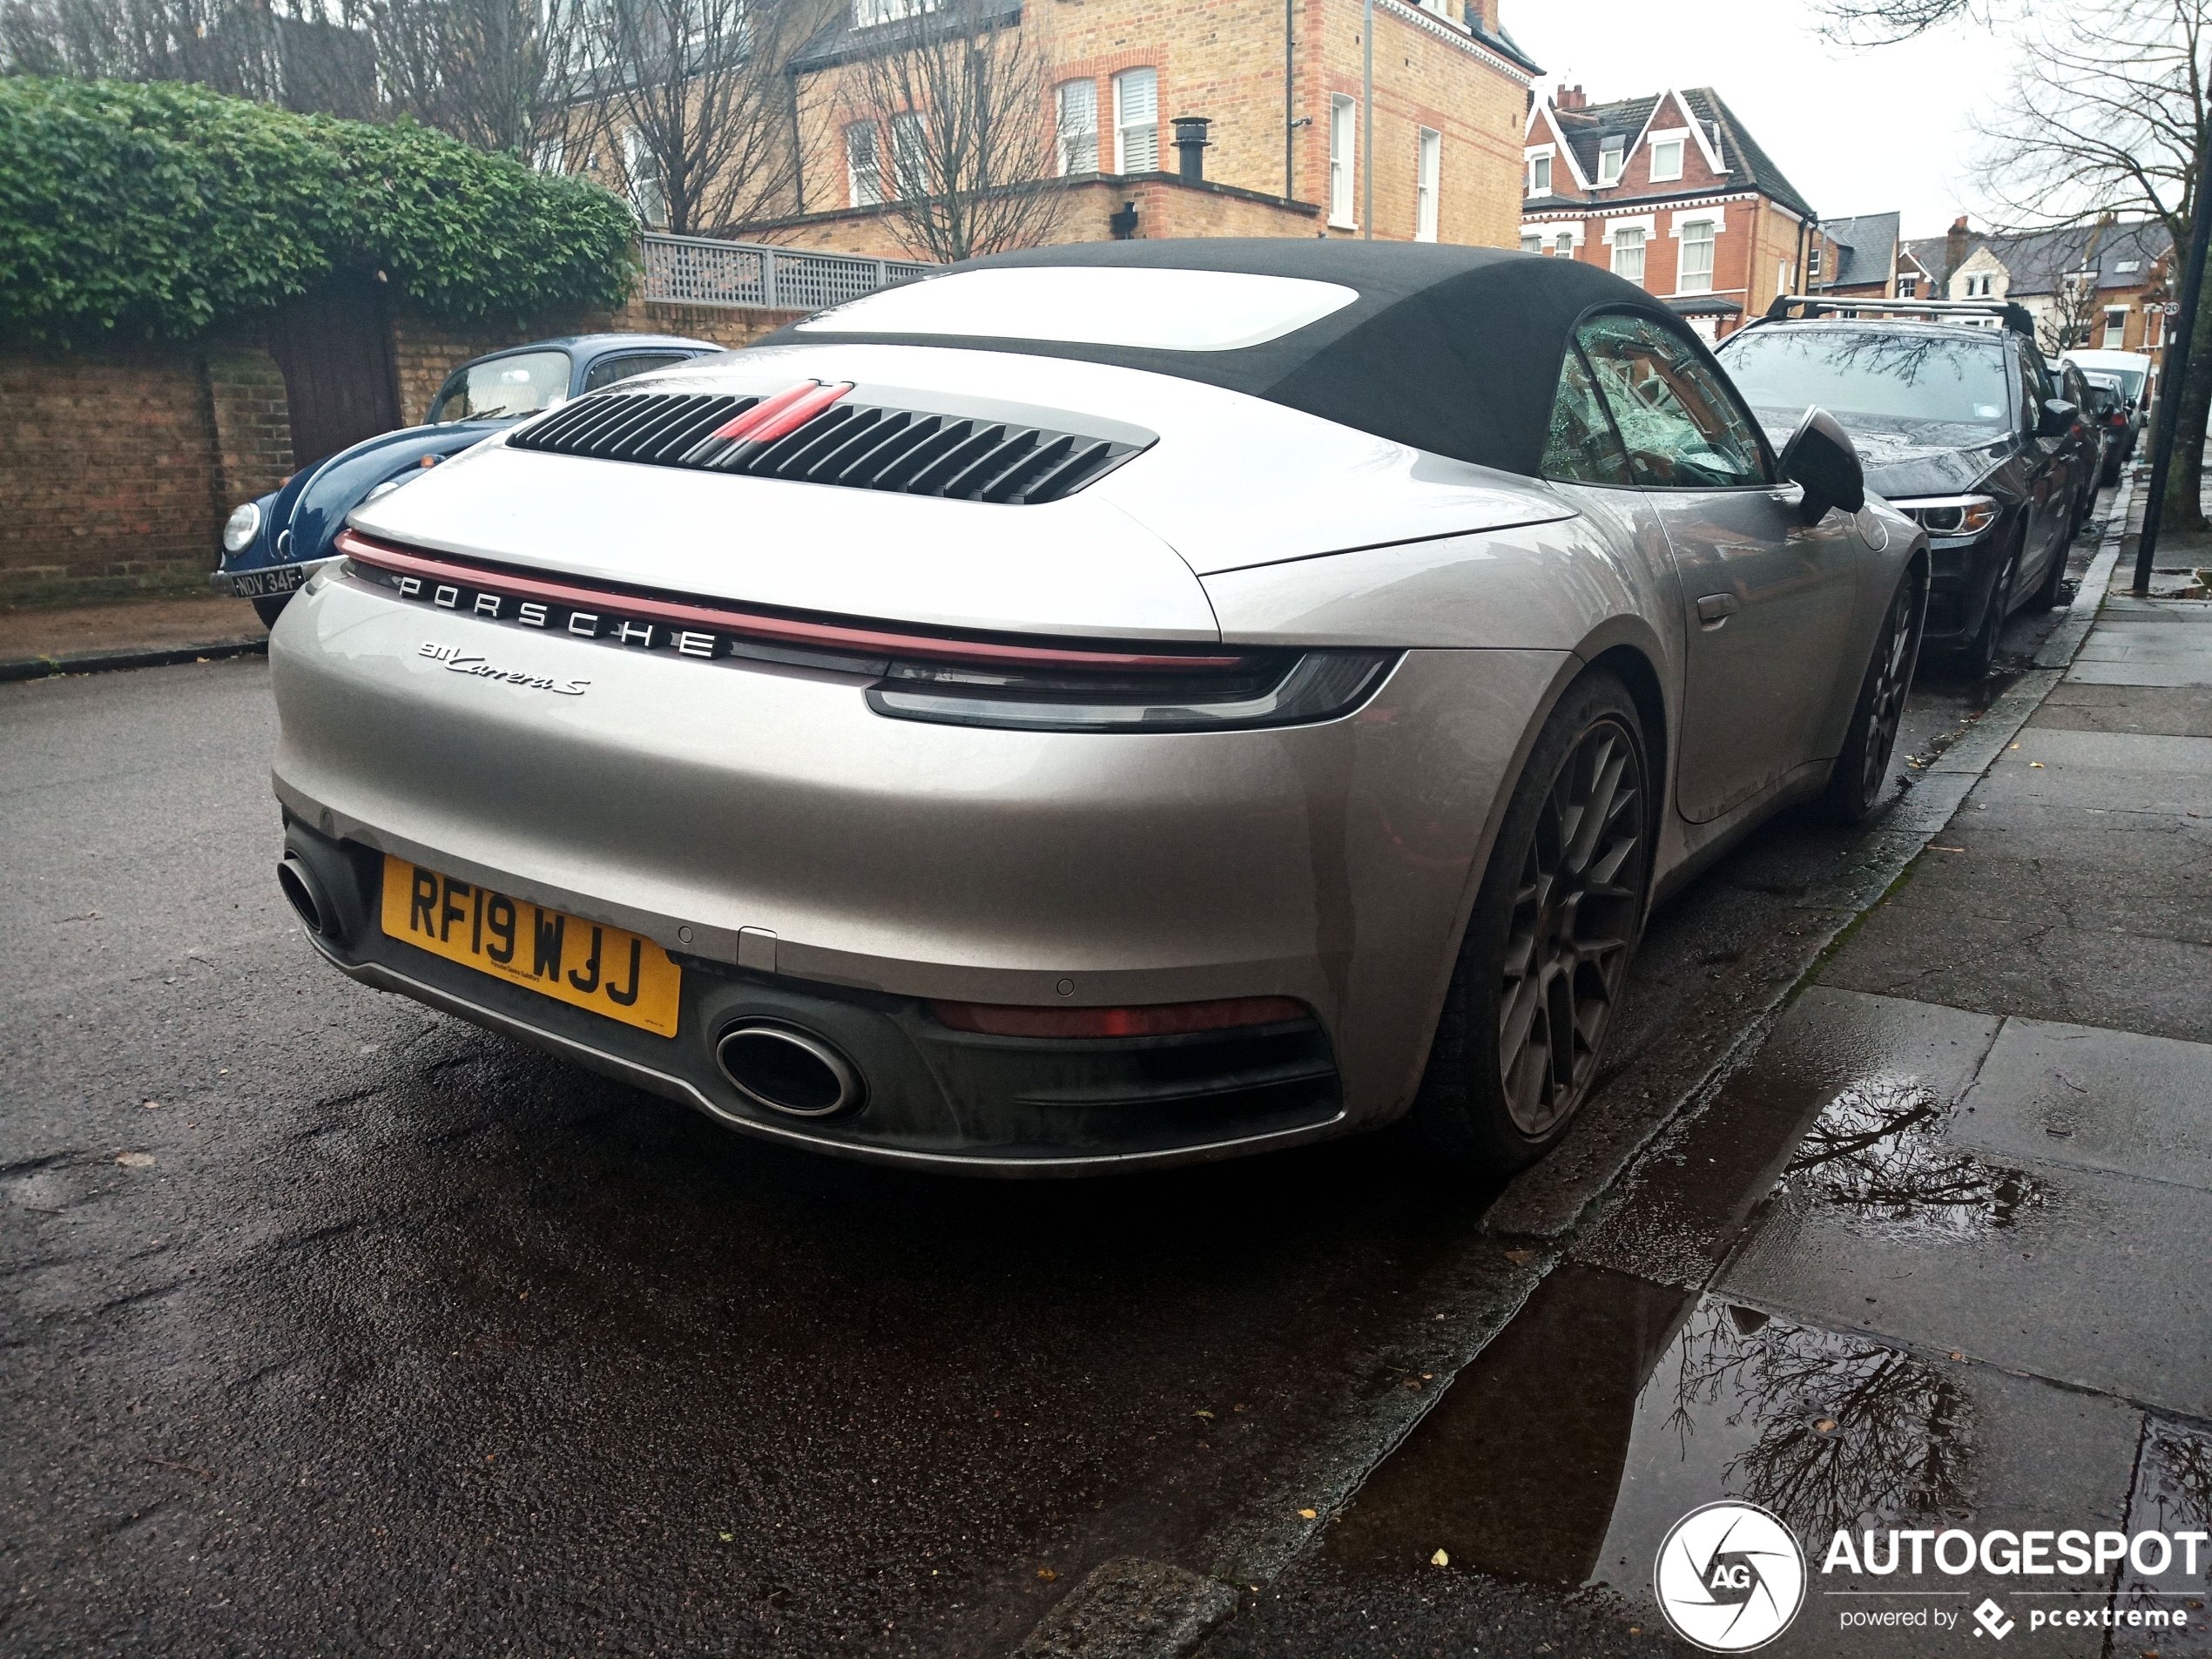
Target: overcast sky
(1855,131)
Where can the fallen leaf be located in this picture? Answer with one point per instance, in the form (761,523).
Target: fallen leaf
(1439,1559)
(151,1105)
(1824,1426)
(1309,1515)
(1956,1354)
(135,1160)
(729,1538)
(1047,1574)
(2037,765)
(1518,1257)
(1207,1415)
(1413,1382)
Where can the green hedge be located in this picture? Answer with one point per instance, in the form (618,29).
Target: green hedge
(158,211)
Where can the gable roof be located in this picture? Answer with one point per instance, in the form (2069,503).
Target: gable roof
(2036,261)
(1747,167)
(1866,249)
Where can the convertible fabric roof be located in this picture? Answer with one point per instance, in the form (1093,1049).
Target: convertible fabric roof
(1454,350)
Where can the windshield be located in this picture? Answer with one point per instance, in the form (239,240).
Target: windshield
(1869,376)
(504,388)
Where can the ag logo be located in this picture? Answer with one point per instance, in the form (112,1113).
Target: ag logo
(1731,1577)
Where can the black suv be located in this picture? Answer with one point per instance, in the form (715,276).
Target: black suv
(1959,423)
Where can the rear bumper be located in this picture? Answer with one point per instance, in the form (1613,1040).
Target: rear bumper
(934,1097)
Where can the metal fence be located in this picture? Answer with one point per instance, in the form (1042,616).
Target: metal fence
(699,270)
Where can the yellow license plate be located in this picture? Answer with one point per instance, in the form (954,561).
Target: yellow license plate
(582,963)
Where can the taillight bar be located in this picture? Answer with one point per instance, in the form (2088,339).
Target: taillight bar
(783,631)
(1146,1020)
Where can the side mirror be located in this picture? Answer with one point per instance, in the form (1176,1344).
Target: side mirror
(1819,459)
(2057,420)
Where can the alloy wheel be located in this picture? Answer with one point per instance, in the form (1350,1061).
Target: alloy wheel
(1894,672)
(1574,919)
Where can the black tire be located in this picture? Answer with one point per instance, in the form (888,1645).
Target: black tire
(271,607)
(1549,942)
(1860,776)
(1974,659)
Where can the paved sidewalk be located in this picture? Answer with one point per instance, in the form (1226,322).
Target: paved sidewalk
(36,641)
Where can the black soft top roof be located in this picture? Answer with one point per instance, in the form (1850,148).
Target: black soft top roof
(1455,350)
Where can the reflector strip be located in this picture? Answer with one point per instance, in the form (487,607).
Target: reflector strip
(767,410)
(788,630)
(1158,1020)
(795,416)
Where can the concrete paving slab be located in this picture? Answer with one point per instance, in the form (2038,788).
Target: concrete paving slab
(1683,1206)
(1660,1402)
(2094,1099)
(2086,1279)
(2119,880)
(2194,672)
(2032,965)
(2173,1493)
(2077,706)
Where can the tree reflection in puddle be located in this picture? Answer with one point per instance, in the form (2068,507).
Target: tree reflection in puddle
(1878,1151)
(2172,1494)
(1841,1430)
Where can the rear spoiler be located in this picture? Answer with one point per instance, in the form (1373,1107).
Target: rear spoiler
(2013,314)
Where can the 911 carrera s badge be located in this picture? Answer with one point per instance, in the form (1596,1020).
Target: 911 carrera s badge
(458,662)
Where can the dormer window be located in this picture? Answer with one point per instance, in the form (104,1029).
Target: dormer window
(1666,158)
(1609,156)
(1540,175)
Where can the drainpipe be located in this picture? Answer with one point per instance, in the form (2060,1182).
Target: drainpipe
(797,154)
(1367,104)
(1290,100)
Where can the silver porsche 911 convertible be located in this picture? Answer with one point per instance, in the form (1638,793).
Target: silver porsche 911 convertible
(1099,707)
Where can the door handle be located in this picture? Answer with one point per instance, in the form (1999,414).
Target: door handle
(1716,608)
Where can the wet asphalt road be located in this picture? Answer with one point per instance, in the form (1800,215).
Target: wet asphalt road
(333,1324)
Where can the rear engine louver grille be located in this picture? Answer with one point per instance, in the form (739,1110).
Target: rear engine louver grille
(809,435)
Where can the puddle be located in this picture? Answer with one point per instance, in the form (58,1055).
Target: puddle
(2173,1493)
(1612,1407)
(1877,1152)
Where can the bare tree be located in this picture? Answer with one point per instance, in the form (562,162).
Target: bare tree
(688,98)
(295,53)
(497,74)
(960,141)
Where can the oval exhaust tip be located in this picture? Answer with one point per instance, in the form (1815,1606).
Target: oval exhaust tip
(787,1070)
(306,896)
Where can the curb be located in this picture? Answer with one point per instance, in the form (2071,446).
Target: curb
(1548,1205)
(100,662)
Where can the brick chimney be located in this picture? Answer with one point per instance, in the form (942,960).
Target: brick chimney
(1570,98)
(1954,247)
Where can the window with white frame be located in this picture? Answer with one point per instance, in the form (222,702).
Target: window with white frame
(1078,114)
(867,13)
(1666,158)
(1532,245)
(2153,328)
(1341,110)
(1137,121)
(1908,288)
(1627,252)
(2115,328)
(1427,173)
(641,169)
(1610,155)
(1563,245)
(1695,273)
(864,164)
(909,158)
(1540,175)
(1782,283)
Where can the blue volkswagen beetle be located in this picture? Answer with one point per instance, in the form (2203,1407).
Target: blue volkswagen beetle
(272,545)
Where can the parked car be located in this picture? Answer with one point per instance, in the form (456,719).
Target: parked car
(2109,409)
(2095,435)
(274,544)
(2137,374)
(1110,705)
(1960,427)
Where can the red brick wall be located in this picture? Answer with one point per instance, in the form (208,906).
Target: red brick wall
(119,468)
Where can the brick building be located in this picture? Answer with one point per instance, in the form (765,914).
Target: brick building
(1671,192)
(2103,286)
(1857,258)
(1281,88)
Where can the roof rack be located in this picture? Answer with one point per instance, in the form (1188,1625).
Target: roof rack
(2013,315)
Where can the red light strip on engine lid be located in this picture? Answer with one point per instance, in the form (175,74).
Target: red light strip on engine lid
(790,409)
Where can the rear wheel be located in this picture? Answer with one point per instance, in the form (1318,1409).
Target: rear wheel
(1861,773)
(1547,945)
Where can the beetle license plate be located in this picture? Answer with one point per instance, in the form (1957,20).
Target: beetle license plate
(273,580)
(585,964)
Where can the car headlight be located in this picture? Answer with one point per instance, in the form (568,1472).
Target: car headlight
(1950,515)
(241,529)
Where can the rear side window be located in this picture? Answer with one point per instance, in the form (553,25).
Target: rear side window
(1582,447)
(1682,428)
(608,370)
(504,388)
